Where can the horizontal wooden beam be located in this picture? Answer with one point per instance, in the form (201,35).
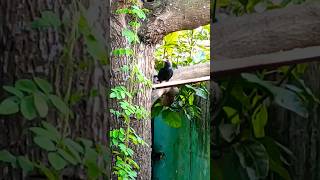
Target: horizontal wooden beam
(272,60)
(180,82)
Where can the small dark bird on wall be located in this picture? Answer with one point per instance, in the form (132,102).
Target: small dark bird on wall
(166,72)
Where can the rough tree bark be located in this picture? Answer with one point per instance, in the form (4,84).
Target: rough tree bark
(276,30)
(27,52)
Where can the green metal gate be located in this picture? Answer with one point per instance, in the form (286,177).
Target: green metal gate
(181,153)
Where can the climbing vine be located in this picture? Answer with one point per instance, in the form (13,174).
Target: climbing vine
(124,137)
(34,98)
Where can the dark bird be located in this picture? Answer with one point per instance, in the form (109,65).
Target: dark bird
(166,72)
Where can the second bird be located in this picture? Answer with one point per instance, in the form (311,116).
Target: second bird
(166,72)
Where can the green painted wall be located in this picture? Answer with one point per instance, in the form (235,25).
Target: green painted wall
(186,151)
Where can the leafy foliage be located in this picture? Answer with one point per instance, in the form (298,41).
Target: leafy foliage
(32,98)
(183,48)
(62,152)
(242,116)
(121,139)
(35,98)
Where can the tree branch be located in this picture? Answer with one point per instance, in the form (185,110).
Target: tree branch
(296,26)
(169,16)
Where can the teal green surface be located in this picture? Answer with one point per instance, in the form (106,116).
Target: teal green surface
(186,151)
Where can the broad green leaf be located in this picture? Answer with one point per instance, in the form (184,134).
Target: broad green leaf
(57,162)
(138,12)
(130,36)
(93,170)
(44,85)
(48,19)
(27,108)
(25,163)
(67,156)
(74,150)
(45,143)
(59,104)
(86,142)
(41,132)
(90,154)
(202,93)
(96,49)
(122,52)
(232,113)
(274,156)
(283,97)
(279,169)
(41,104)
(6,156)
(51,129)
(172,118)
(259,121)
(8,106)
(74,145)
(254,158)
(13,91)
(84,26)
(26,85)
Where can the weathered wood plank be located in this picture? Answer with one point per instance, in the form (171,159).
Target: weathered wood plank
(272,60)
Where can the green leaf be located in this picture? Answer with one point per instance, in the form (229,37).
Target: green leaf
(6,156)
(44,85)
(138,12)
(73,145)
(172,118)
(67,156)
(274,156)
(26,85)
(122,52)
(41,104)
(90,154)
(86,142)
(25,163)
(44,133)
(232,113)
(259,121)
(59,104)
(27,108)
(283,97)
(51,129)
(45,143)
(96,49)
(93,170)
(130,36)
(279,169)
(13,91)
(254,158)
(8,106)
(48,19)
(57,162)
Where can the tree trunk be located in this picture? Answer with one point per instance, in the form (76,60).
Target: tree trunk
(146,65)
(26,52)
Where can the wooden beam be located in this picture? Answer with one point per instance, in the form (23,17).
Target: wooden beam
(296,26)
(180,82)
(272,60)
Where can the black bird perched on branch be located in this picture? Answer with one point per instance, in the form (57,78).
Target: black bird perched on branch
(166,72)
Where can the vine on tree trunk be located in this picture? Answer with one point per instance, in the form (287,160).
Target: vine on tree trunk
(124,137)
